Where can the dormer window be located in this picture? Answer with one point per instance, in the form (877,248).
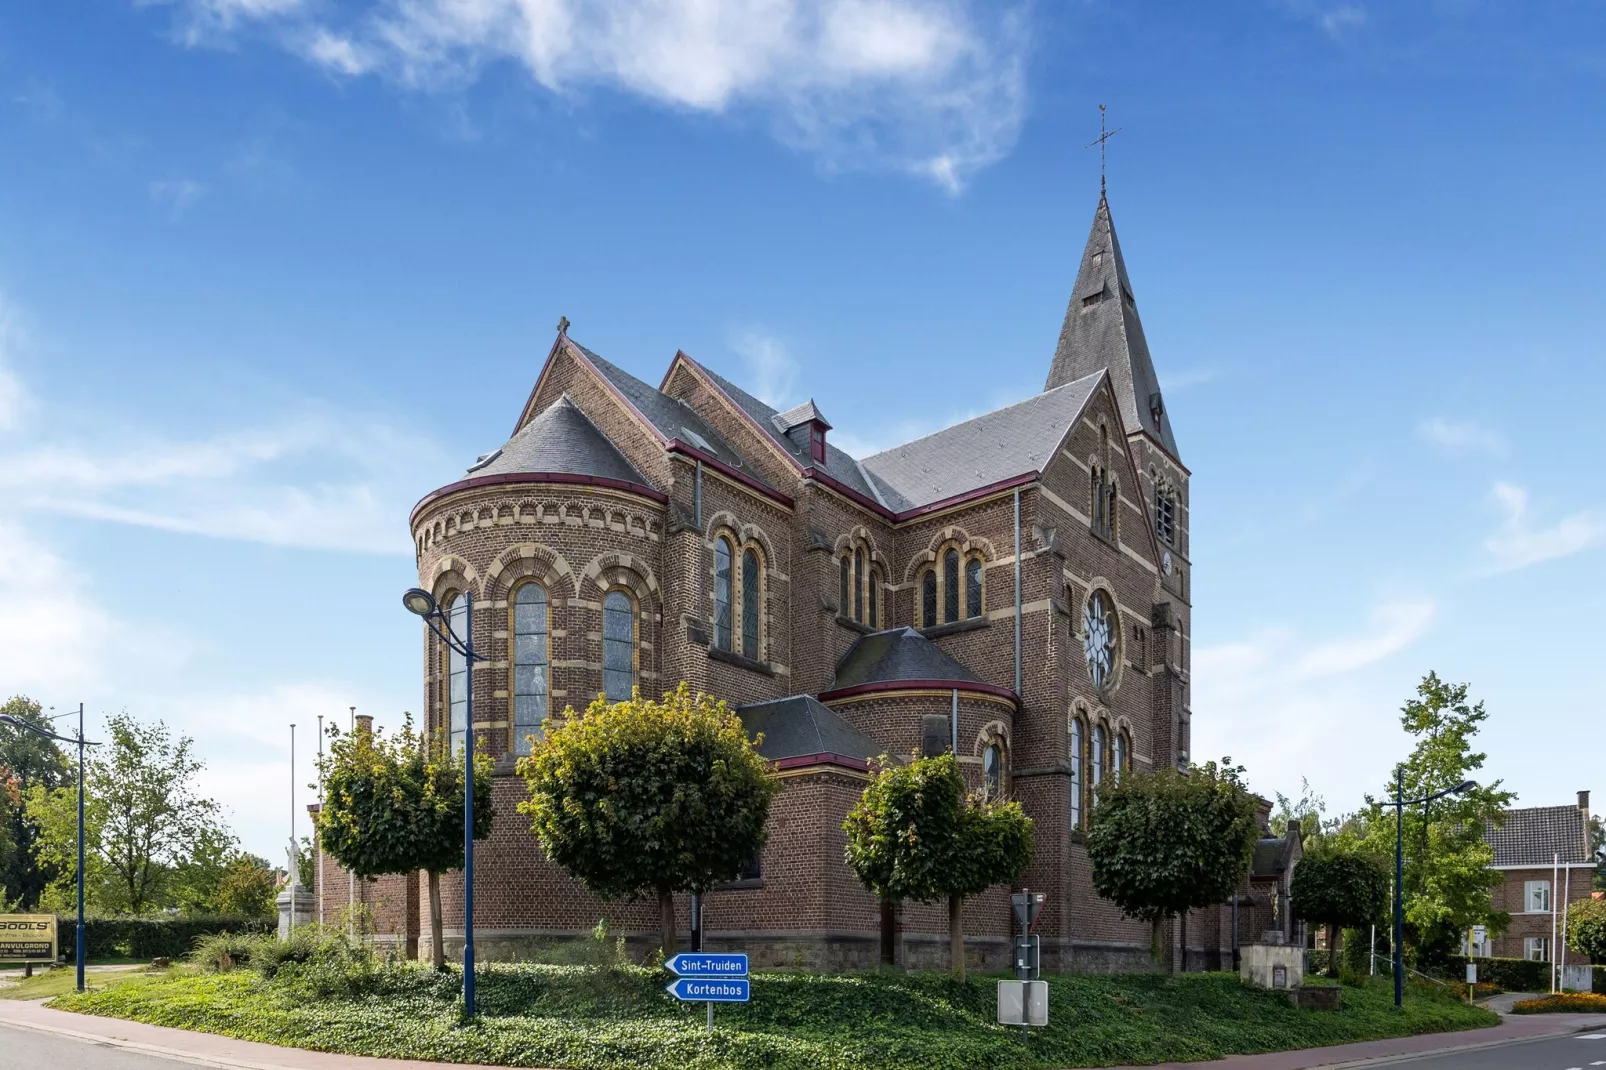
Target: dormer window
(817,442)
(804,422)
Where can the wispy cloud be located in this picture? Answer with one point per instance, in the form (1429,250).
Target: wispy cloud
(1460,437)
(934,88)
(176,196)
(772,373)
(13,398)
(1336,20)
(1518,543)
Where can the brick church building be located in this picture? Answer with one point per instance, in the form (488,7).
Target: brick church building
(1015,588)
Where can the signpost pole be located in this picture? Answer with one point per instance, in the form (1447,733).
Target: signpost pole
(80,955)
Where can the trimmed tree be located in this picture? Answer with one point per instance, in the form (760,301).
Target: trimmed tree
(1167,842)
(649,798)
(1347,891)
(1586,929)
(914,834)
(393,805)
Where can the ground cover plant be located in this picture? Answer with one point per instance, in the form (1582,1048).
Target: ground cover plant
(618,1016)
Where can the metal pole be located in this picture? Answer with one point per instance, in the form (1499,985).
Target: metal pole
(80,847)
(1555,872)
(319,839)
(295,848)
(1399,880)
(351,877)
(468,815)
(1566,896)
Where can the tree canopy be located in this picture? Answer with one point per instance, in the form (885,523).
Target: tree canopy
(649,798)
(1166,842)
(26,760)
(393,805)
(1586,928)
(916,834)
(1341,891)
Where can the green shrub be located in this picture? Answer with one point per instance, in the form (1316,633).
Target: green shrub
(1512,975)
(149,938)
(221,952)
(1354,952)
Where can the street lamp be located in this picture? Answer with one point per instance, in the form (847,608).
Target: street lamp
(1400,803)
(422,604)
(81,743)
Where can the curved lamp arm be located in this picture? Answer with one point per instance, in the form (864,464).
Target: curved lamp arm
(18,722)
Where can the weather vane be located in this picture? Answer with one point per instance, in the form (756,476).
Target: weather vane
(1104,136)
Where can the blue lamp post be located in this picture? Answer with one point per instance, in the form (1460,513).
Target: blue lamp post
(80,743)
(422,604)
(1400,803)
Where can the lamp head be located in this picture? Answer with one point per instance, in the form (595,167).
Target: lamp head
(1465,786)
(419,602)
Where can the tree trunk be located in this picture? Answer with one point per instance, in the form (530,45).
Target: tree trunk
(666,921)
(437,947)
(1332,950)
(1154,941)
(1182,953)
(956,936)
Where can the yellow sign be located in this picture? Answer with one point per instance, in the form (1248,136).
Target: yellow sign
(27,938)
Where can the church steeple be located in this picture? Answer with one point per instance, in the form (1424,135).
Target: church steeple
(1102,330)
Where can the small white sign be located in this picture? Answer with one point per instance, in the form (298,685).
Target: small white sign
(1472,973)
(1022,1002)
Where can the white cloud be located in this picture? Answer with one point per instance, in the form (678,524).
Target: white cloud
(176,196)
(51,631)
(935,88)
(1459,437)
(772,373)
(13,398)
(1518,544)
(1334,19)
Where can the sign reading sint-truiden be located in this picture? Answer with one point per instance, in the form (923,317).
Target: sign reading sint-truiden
(27,938)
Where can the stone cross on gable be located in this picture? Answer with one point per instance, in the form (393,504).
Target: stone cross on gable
(563,325)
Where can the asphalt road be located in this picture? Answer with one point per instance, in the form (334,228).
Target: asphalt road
(25,1049)
(1579,1052)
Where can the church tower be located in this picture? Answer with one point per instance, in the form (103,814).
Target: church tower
(1102,331)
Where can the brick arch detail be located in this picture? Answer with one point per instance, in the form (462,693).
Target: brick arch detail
(529,559)
(632,570)
(988,733)
(745,533)
(452,565)
(859,535)
(956,537)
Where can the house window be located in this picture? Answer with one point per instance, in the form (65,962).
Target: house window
(875,598)
(1096,762)
(1536,948)
(992,771)
(950,584)
(1536,897)
(928,599)
(846,583)
(618,646)
(973,601)
(722,593)
(858,586)
(530,664)
(750,603)
(1165,515)
(457,669)
(1076,772)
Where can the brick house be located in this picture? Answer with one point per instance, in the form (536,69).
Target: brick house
(1014,588)
(1543,854)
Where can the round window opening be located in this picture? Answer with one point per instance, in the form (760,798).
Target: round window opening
(1100,634)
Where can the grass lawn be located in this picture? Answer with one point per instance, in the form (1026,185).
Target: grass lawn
(586,1019)
(63,979)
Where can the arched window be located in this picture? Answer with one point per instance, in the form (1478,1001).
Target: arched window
(928,599)
(1095,496)
(950,585)
(618,646)
(1076,772)
(722,593)
(1165,514)
(457,669)
(858,586)
(530,664)
(847,585)
(1111,526)
(973,606)
(992,771)
(875,598)
(751,600)
(1123,751)
(1096,759)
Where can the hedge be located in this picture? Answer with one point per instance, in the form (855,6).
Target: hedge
(149,938)
(1519,975)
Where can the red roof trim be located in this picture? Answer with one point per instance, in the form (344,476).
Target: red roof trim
(803,761)
(881,686)
(959,499)
(505,478)
(677,446)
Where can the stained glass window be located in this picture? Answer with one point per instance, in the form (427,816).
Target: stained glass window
(618,646)
(847,585)
(875,598)
(992,771)
(750,604)
(722,593)
(973,605)
(1096,760)
(1076,772)
(928,599)
(457,619)
(530,664)
(858,585)
(950,583)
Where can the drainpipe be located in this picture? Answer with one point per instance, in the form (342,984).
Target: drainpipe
(954,719)
(1017,593)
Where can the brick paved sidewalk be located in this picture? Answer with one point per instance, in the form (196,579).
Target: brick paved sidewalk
(208,1049)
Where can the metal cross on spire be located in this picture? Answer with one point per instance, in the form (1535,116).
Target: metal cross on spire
(1104,136)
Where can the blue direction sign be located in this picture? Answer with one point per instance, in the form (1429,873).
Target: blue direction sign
(710,990)
(708,964)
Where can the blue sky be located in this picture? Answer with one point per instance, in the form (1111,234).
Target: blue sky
(272,269)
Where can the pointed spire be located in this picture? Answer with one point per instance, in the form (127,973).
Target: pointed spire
(1102,330)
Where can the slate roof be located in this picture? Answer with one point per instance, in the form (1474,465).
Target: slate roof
(1008,442)
(1534,836)
(1102,330)
(801,724)
(798,415)
(1271,857)
(562,440)
(895,655)
(672,417)
(839,465)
